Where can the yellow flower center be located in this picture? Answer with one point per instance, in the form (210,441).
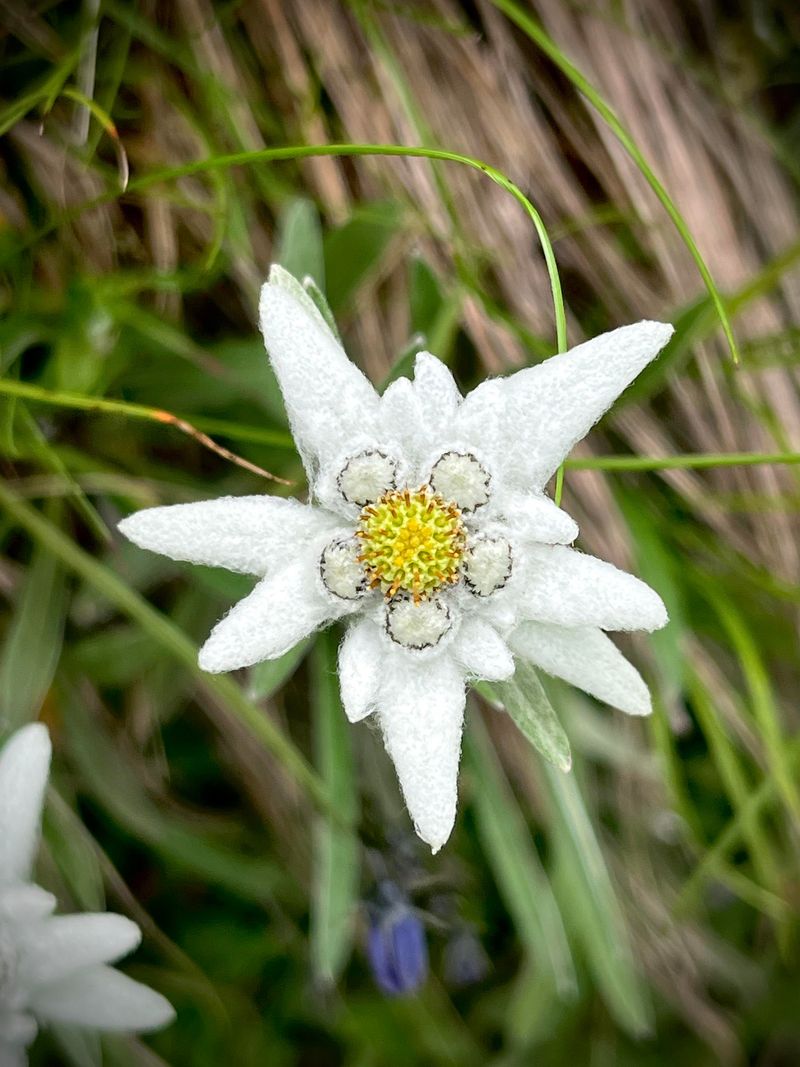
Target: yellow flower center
(411,542)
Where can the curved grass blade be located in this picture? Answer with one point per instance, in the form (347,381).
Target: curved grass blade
(265,155)
(542,40)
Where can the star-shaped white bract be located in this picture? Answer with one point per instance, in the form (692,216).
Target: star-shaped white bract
(428,531)
(55,968)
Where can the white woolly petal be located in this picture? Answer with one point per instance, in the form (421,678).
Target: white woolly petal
(530,420)
(401,419)
(534,517)
(559,585)
(103,999)
(280,611)
(248,534)
(25,903)
(24,767)
(482,651)
(437,394)
(328,400)
(586,658)
(64,944)
(281,277)
(360,664)
(421,711)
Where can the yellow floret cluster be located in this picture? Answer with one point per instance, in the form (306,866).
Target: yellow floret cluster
(411,541)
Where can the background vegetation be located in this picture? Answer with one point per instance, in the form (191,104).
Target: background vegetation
(642,910)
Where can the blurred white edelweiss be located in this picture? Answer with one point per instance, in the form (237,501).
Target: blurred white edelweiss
(430,531)
(54,968)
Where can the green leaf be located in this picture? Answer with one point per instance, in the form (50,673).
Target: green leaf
(590,905)
(267,677)
(403,366)
(355,250)
(527,703)
(336,848)
(322,305)
(33,642)
(425,296)
(515,864)
(73,852)
(300,241)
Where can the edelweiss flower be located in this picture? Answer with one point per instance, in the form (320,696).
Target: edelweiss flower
(53,968)
(430,532)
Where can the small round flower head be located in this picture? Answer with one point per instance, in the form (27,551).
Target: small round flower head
(465,961)
(428,529)
(396,945)
(55,968)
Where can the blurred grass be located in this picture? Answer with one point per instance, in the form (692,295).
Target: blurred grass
(241,820)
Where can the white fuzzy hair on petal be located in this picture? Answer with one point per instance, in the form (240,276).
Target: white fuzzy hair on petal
(24,769)
(529,421)
(585,657)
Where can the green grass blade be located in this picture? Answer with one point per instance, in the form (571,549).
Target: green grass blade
(177,840)
(595,913)
(754,835)
(697,462)
(759,800)
(515,864)
(762,699)
(336,849)
(542,40)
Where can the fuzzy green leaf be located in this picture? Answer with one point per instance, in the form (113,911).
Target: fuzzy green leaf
(527,703)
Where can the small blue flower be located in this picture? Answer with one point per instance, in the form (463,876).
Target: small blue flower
(465,960)
(396,945)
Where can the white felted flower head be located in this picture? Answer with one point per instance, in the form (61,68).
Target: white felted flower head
(429,530)
(55,968)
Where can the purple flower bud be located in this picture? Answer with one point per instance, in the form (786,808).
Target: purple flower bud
(465,961)
(396,946)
